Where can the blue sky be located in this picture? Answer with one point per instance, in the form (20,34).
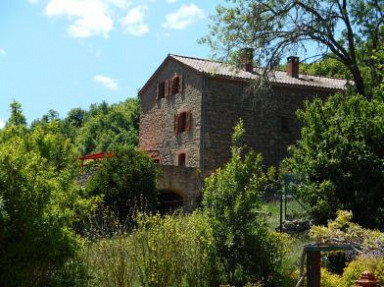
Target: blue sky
(62,54)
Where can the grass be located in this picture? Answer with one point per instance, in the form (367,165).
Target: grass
(291,261)
(272,209)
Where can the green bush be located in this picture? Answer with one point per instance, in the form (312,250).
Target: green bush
(232,203)
(338,162)
(108,262)
(329,279)
(353,271)
(36,214)
(174,250)
(127,184)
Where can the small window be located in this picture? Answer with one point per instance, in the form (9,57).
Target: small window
(175,85)
(156,160)
(183,122)
(284,124)
(161,90)
(181,159)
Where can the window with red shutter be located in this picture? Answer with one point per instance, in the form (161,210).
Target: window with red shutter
(175,85)
(188,121)
(183,122)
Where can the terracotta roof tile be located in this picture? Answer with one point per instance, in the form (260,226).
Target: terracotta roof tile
(281,78)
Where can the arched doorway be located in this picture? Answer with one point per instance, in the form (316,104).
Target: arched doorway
(170,200)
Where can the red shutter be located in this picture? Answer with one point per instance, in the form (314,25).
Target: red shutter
(157,90)
(188,121)
(176,124)
(180,83)
(166,88)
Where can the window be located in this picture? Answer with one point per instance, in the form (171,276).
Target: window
(182,159)
(160,90)
(183,122)
(156,160)
(175,85)
(169,87)
(284,124)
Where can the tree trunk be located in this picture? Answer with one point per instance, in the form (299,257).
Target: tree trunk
(359,82)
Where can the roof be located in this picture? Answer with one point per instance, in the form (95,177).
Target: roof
(224,70)
(220,69)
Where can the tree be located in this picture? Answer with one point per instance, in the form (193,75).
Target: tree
(37,210)
(232,203)
(107,126)
(17,117)
(126,182)
(275,28)
(338,163)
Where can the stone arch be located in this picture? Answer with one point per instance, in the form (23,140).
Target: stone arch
(170,200)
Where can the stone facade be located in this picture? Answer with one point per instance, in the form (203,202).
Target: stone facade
(157,122)
(214,97)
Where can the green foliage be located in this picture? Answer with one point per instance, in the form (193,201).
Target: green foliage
(347,32)
(172,251)
(162,251)
(35,215)
(108,262)
(17,117)
(338,163)
(126,182)
(232,205)
(104,127)
(327,67)
(39,201)
(329,279)
(353,271)
(342,230)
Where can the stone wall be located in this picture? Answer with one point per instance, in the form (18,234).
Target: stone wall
(269,119)
(157,131)
(184,181)
(216,105)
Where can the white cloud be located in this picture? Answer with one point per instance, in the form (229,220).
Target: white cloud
(2,52)
(184,17)
(88,17)
(106,82)
(134,23)
(2,124)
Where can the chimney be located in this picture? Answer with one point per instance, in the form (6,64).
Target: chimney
(246,59)
(293,66)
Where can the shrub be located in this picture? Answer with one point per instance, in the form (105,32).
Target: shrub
(127,184)
(353,271)
(232,204)
(338,162)
(108,262)
(329,279)
(174,250)
(36,214)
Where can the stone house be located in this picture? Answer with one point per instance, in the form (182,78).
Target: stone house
(190,106)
